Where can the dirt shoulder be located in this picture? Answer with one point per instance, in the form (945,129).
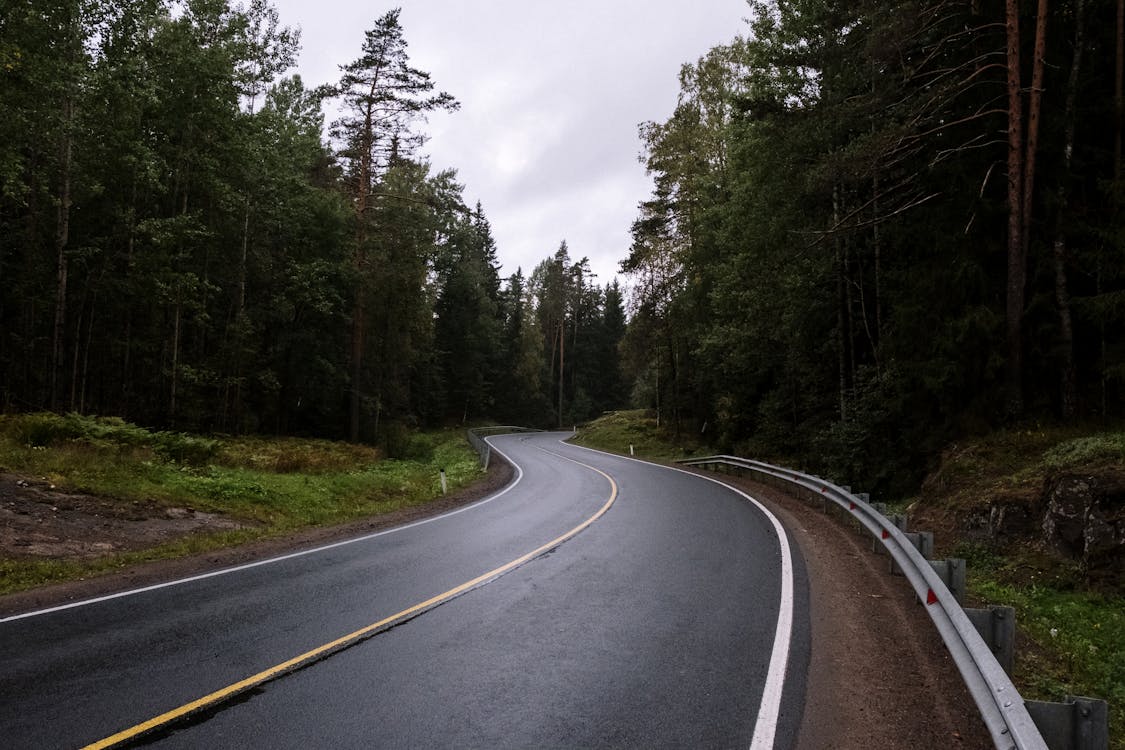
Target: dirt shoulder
(38,520)
(879,675)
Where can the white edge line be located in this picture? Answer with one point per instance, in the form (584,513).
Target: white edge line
(765,728)
(280,558)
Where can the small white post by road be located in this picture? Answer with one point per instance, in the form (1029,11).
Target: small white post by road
(443,484)
(631,449)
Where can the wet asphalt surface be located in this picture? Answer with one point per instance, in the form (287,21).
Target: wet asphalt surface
(651,628)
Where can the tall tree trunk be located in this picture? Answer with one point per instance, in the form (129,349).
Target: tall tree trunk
(86,353)
(562,353)
(62,239)
(877,242)
(358,313)
(1017,266)
(75,351)
(359,260)
(130,246)
(1119,94)
(240,321)
(175,363)
(1119,125)
(1033,110)
(1069,396)
(841,330)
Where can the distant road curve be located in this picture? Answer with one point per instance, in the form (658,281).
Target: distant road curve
(595,602)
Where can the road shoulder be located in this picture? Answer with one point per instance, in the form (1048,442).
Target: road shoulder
(879,675)
(499,474)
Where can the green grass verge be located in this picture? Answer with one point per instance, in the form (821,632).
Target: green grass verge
(617,431)
(1073,643)
(278,486)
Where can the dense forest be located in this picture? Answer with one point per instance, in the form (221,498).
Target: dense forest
(877,227)
(186,244)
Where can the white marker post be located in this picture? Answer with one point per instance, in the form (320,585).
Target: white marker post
(443,484)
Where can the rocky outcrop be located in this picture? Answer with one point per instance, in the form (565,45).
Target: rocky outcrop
(1012,519)
(1084,519)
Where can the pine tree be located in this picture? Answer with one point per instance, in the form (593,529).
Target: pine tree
(382,96)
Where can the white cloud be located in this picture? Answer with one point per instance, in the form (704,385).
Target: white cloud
(551,95)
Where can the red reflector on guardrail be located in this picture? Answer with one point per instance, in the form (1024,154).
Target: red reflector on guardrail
(851,506)
(931,597)
(886,534)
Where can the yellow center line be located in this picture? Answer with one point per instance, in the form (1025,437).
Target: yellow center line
(211,699)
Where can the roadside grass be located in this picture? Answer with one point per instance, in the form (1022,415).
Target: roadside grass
(275,486)
(1015,462)
(617,431)
(22,574)
(1073,642)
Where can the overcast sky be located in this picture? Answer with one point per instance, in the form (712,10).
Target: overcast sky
(551,95)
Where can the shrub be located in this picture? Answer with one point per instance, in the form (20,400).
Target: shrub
(184,449)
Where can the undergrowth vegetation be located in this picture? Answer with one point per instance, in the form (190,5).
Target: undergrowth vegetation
(274,486)
(1072,642)
(617,431)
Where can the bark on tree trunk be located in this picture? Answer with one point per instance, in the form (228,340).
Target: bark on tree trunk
(1033,110)
(363,191)
(1069,396)
(1119,93)
(562,356)
(358,313)
(86,354)
(841,353)
(1017,267)
(62,238)
(175,363)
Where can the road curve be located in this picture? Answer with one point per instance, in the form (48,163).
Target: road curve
(595,602)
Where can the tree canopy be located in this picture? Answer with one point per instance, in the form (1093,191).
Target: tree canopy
(184,244)
(878,226)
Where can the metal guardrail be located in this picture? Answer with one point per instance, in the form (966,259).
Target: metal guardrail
(1003,710)
(484,450)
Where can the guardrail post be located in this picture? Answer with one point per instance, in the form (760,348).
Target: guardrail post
(923,541)
(952,573)
(881,509)
(997,626)
(1077,724)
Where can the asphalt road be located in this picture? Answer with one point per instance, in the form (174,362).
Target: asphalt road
(609,603)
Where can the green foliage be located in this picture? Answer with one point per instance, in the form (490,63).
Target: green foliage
(617,431)
(276,486)
(184,449)
(1075,643)
(294,455)
(45,430)
(1103,448)
(820,271)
